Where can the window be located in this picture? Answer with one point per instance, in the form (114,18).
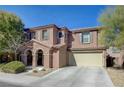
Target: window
(45,35)
(59,34)
(86,37)
(33,35)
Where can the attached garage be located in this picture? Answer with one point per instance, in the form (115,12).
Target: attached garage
(86,59)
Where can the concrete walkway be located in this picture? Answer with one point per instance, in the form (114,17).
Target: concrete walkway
(76,77)
(17,79)
(65,77)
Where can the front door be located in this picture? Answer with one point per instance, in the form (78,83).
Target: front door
(29,58)
(40,58)
(39,61)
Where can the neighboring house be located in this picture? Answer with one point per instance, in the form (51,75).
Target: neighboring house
(117,54)
(54,47)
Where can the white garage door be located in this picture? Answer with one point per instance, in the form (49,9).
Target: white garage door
(86,59)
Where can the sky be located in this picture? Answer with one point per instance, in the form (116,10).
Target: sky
(68,16)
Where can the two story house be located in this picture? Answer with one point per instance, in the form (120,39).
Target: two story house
(54,47)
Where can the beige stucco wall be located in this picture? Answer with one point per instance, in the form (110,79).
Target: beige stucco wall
(55,63)
(95,35)
(51,38)
(77,44)
(60,57)
(47,59)
(51,57)
(63,56)
(52,32)
(119,57)
(23,50)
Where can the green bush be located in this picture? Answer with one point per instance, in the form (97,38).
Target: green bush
(6,57)
(1,65)
(35,71)
(13,67)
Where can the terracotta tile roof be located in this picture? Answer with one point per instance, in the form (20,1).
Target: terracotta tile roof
(47,26)
(87,29)
(43,27)
(97,28)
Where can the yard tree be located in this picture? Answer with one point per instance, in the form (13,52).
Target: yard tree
(112,20)
(11,32)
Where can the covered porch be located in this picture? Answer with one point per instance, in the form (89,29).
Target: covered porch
(34,54)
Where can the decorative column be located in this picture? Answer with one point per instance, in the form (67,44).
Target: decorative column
(104,58)
(34,62)
(121,58)
(47,59)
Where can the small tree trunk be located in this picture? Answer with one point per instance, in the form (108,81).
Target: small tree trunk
(15,56)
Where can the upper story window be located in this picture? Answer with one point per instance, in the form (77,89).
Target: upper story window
(45,35)
(59,34)
(86,37)
(33,36)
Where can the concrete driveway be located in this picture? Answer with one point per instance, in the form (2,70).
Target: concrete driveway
(76,77)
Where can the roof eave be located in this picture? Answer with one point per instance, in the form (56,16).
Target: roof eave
(44,27)
(87,29)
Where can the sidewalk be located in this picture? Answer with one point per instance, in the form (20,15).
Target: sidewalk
(22,79)
(18,79)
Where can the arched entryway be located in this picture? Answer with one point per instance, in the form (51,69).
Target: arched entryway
(40,58)
(29,58)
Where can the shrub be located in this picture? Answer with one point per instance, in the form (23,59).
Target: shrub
(13,67)
(6,57)
(43,69)
(35,71)
(1,65)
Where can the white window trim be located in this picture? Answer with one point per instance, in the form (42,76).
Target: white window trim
(47,35)
(33,36)
(89,38)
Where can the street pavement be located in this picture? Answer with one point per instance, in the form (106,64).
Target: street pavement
(5,84)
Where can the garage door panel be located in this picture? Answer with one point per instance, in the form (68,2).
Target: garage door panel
(86,59)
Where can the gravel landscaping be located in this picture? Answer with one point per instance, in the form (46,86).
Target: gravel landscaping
(117,76)
(41,73)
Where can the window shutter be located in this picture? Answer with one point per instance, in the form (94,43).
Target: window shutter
(35,35)
(41,36)
(91,37)
(81,38)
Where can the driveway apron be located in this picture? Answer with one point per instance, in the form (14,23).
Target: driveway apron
(76,77)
